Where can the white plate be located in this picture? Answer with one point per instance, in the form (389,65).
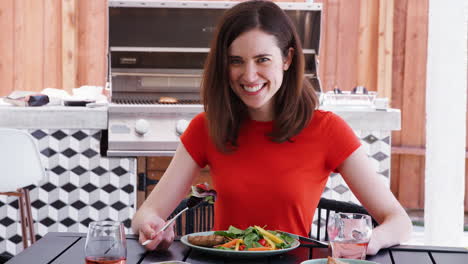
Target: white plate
(239,254)
(348,261)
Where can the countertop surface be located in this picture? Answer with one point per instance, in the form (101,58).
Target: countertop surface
(61,117)
(97,117)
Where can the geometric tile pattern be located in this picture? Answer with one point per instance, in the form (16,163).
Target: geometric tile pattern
(80,186)
(378,147)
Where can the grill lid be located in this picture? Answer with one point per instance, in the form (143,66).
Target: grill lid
(192,24)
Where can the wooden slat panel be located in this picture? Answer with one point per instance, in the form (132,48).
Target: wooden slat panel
(141,168)
(6,47)
(348,44)
(92,43)
(69,44)
(158,163)
(323,45)
(413,107)
(52,70)
(385,48)
(383,257)
(398,71)
(28,50)
(466,184)
(405,257)
(329,56)
(44,250)
(441,257)
(367,44)
(177,251)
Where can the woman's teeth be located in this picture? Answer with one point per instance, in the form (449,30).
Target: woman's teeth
(252,89)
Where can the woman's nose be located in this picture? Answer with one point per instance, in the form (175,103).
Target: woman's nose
(250,72)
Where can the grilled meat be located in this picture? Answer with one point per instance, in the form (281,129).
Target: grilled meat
(206,241)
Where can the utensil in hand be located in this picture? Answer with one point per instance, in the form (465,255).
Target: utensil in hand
(316,242)
(349,235)
(105,243)
(191,203)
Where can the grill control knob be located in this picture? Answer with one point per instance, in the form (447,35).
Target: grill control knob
(141,126)
(181,125)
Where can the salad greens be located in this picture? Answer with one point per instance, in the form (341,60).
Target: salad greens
(255,238)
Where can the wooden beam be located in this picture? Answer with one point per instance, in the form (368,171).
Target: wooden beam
(385,49)
(92,43)
(367,44)
(28,41)
(418,151)
(6,47)
(52,70)
(69,44)
(348,34)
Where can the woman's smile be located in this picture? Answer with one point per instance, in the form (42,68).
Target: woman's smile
(253,88)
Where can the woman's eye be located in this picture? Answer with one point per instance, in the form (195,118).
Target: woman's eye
(260,60)
(235,61)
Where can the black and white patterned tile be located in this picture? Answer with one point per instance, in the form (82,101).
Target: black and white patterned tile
(80,186)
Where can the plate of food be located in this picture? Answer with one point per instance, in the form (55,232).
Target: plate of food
(254,241)
(331,260)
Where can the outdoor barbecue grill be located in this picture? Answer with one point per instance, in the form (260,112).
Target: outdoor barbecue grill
(157,49)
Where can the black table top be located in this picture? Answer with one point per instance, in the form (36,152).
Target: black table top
(55,248)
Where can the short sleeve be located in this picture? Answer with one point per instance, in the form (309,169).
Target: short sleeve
(195,138)
(342,141)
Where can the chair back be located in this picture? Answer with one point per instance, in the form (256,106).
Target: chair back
(198,219)
(325,207)
(20,163)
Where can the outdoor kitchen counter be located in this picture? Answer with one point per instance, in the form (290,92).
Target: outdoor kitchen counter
(53,117)
(369,119)
(80,185)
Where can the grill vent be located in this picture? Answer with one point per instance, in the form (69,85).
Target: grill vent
(152,101)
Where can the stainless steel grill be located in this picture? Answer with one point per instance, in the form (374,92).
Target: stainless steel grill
(157,49)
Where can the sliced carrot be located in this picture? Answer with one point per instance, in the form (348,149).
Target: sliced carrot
(229,244)
(259,249)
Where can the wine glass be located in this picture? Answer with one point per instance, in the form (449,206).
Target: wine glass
(105,243)
(349,235)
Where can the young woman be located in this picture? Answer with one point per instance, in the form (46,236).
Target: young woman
(269,149)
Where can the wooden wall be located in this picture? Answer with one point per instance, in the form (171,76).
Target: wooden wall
(380,44)
(52,43)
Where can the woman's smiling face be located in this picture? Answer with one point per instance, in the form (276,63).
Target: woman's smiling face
(256,67)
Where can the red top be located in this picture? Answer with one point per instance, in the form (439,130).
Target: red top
(277,185)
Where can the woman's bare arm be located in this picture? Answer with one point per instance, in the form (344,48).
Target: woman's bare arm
(170,190)
(394,224)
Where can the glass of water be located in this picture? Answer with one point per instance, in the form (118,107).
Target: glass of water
(106,243)
(349,235)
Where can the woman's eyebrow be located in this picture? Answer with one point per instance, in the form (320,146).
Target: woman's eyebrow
(256,56)
(263,55)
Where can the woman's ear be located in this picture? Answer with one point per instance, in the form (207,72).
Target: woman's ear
(288,60)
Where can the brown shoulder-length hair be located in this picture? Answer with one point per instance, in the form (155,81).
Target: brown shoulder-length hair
(294,101)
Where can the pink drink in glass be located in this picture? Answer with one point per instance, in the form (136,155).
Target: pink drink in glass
(105,260)
(349,235)
(349,249)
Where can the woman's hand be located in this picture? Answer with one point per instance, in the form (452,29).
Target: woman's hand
(374,245)
(146,224)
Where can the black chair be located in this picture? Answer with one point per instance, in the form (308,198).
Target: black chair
(198,219)
(325,207)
